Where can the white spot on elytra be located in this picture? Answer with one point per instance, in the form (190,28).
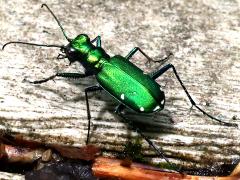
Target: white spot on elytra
(162,102)
(122,96)
(141,109)
(156,108)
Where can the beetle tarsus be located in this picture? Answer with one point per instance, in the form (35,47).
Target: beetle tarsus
(40,81)
(165,59)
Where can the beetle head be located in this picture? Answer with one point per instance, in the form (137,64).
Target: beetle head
(68,52)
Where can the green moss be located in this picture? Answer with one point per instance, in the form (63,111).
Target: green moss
(165,165)
(133,151)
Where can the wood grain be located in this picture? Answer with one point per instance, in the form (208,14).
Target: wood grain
(203,36)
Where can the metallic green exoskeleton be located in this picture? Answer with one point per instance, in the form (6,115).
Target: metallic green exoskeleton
(122,79)
(118,76)
(132,87)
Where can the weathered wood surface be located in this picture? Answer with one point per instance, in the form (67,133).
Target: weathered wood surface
(203,36)
(6,176)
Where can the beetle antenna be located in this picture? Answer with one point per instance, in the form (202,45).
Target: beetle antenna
(59,24)
(33,44)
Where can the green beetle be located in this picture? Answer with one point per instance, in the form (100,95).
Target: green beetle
(118,76)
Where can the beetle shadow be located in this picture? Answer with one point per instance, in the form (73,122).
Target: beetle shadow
(153,124)
(66,97)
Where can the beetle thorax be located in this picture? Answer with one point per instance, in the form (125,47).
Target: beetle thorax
(81,49)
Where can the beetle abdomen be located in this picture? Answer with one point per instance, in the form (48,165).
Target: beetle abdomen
(128,84)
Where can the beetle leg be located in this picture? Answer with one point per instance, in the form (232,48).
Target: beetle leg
(61,56)
(161,71)
(98,39)
(73,75)
(119,110)
(165,59)
(87,90)
(40,81)
(65,75)
(134,50)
